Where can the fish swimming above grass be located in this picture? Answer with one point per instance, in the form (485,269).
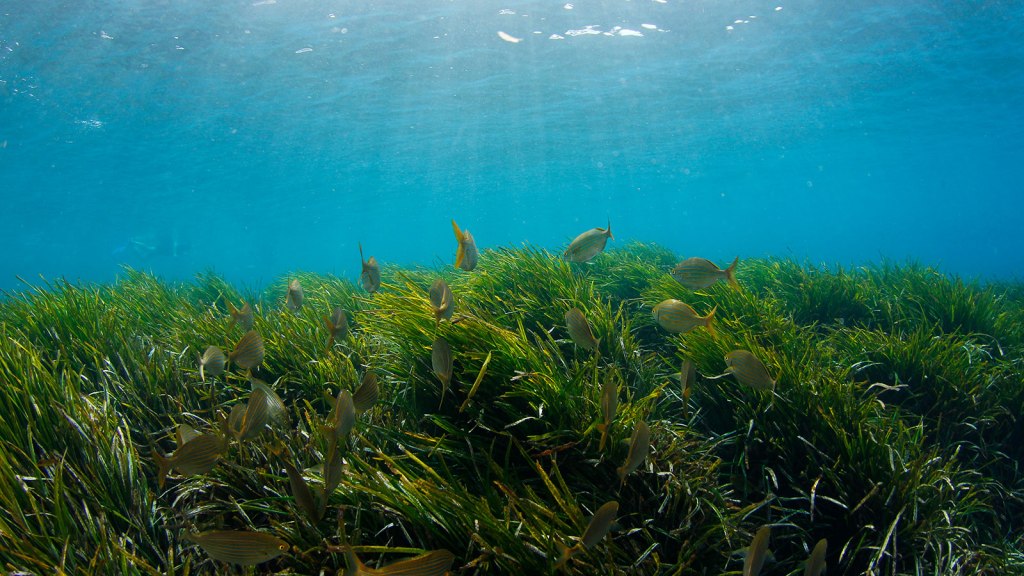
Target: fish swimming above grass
(337,326)
(196,456)
(433,563)
(748,370)
(370,277)
(687,376)
(678,317)
(441,362)
(598,527)
(342,418)
(466,255)
(699,273)
(816,561)
(757,553)
(442,302)
(579,329)
(248,352)
(367,394)
(294,297)
(243,317)
(212,362)
(639,446)
(609,406)
(588,244)
(239,546)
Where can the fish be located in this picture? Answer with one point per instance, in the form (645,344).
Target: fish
(264,406)
(442,302)
(343,416)
(196,456)
(609,406)
(294,297)
(433,563)
(441,361)
(370,277)
(588,244)
(248,353)
(579,329)
(699,273)
(212,361)
(337,326)
(185,434)
(243,317)
(748,370)
(598,527)
(687,376)
(816,561)
(239,546)
(301,492)
(366,396)
(333,467)
(466,255)
(639,445)
(757,553)
(678,317)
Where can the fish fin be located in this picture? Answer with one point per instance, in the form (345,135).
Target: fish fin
(460,252)
(564,553)
(730,274)
(608,230)
(163,465)
(604,436)
(709,323)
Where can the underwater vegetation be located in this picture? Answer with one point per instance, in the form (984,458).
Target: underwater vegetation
(531,416)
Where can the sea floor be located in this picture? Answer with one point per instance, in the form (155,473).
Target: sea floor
(891,427)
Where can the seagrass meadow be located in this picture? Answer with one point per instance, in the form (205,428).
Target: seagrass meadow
(893,429)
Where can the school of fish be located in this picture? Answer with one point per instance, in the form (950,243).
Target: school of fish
(199,452)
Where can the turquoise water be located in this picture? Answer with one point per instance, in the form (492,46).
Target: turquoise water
(255,138)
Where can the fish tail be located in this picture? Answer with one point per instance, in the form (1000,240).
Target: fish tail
(609,229)
(730,274)
(163,465)
(565,553)
(709,323)
(460,252)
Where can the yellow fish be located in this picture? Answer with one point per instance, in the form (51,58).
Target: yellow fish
(639,445)
(579,329)
(213,362)
(687,376)
(748,370)
(239,547)
(678,317)
(816,561)
(248,353)
(609,406)
(466,255)
(599,526)
(370,277)
(243,317)
(588,244)
(366,396)
(343,416)
(441,362)
(196,456)
(442,302)
(337,326)
(433,563)
(757,553)
(294,297)
(699,273)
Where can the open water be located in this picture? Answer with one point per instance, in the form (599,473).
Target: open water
(260,137)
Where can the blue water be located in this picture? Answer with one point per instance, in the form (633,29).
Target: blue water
(257,138)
